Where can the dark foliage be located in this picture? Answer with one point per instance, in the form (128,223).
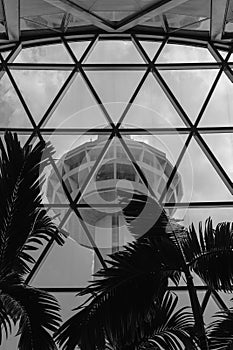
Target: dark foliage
(23,227)
(209,253)
(125,299)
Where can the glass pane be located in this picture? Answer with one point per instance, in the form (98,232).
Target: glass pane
(39,88)
(12,111)
(77,109)
(180,53)
(219,110)
(205,184)
(68,301)
(115,86)
(114,52)
(44,54)
(79,48)
(69,265)
(195,216)
(126,172)
(156,109)
(221,146)
(150,47)
(190,88)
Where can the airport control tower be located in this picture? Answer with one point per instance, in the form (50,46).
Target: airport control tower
(106,225)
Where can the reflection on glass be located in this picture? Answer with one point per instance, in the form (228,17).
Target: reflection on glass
(106,172)
(126,172)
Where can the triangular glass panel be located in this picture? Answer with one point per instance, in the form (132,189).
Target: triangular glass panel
(108,167)
(190,88)
(5,54)
(115,86)
(35,254)
(197,215)
(221,146)
(224,54)
(22,138)
(219,111)
(183,295)
(210,310)
(68,301)
(152,109)
(65,143)
(12,112)
(66,266)
(114,52)
(79,48)
(151,47)
(53,192)
(197,280)
(226,297)
(199,178)
(46,85)
(115,110)
(107,228)
(182,54)
(55,53)
(169,146)
(183,299)
(201,297)
(77,109)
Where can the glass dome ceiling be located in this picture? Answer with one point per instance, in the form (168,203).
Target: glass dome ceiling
(160,71)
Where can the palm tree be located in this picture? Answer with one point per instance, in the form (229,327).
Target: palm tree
(23,227)
(122,300)
(168,328)
(220,331)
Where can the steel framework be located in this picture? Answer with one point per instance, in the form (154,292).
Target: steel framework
(149,67)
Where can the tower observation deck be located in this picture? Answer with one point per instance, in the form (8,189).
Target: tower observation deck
(107,226)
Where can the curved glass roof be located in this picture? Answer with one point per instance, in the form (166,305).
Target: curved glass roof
(195,21)
(160,71)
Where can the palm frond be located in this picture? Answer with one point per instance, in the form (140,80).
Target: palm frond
(120,299)
(20,199)
(37,312)
(210,254)
(5,319)
(220,331)
(169,329)
(144,215)
(147,219)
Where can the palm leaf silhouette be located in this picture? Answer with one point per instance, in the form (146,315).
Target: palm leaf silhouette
(124,294)
(23,227)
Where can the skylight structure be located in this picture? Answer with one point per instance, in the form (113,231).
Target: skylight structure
(158,71)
